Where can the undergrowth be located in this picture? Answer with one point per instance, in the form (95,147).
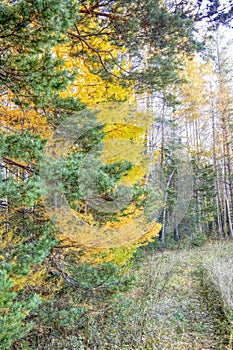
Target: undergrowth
(183,300)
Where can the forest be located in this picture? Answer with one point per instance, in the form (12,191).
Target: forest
(116,174)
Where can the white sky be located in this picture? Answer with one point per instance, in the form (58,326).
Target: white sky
(228,33)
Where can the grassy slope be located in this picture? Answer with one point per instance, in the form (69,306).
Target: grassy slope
(182,302)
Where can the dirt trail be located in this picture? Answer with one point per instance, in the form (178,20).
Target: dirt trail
(186,318)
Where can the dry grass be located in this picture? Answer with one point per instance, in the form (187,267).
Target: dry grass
(219,269)
(169,309)
(177,305)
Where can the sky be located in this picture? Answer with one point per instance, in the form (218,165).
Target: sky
(228,33)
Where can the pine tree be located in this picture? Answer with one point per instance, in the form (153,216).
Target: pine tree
(41,42)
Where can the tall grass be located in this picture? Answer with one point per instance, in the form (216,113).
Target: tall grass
(219,268)
(168,310)
(131,322)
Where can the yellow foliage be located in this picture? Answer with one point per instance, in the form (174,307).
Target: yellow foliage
(89,87)
(118,256)
(19,282)
(134,175)
(150,234)
(115,150)
(125,112)
(36,278)
(112,239)
(13,118)
(125,140)
(194,93)
(89,235)
(123,131)
(5,237)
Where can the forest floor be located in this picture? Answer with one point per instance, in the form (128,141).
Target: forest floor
(186,316)
(186,303)
(179,304)
(183,300)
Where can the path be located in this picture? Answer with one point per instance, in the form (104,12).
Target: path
(186,318)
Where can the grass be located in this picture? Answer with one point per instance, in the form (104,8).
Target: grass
(219,269)
(183,301)
(218,272)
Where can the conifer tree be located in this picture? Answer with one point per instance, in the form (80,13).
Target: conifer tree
(110,39)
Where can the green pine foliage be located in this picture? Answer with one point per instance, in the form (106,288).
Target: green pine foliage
(29,31)
(47,292)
